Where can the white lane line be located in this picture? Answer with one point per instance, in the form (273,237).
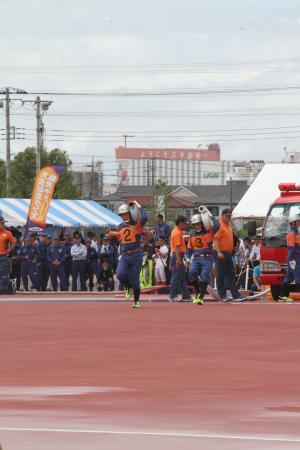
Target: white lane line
(24,393)
(149,433)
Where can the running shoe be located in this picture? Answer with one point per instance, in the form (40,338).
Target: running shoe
(239,299)
(285,300)
(195,299)
(128,294)
(136,305)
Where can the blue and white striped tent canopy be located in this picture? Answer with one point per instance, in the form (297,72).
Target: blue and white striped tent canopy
(64,213)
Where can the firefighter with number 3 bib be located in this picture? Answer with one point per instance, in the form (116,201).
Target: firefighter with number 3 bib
(200,254)
(129,234)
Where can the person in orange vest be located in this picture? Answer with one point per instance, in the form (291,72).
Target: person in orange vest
(178,283)
(7,243)
(224,244)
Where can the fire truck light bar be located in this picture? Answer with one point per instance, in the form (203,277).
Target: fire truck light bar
(286,187)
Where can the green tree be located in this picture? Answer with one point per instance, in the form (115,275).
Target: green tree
(65,187)
(160,203)
(2,178)
(23,171)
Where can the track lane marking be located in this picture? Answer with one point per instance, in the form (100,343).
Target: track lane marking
(150,433)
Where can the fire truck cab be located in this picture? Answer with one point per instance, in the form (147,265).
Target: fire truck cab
(273,251)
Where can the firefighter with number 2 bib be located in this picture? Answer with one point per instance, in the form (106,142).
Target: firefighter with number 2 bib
(129,234)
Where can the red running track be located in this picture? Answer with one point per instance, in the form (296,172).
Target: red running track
(85,376)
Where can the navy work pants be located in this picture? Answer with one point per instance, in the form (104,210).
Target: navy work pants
(79,268)
(226,276)
(58,271)
(42,270)
(178,283)
(28,269)
(129,268)
(201,268)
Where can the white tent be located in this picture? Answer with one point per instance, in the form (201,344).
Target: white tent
(264,190)
(64,213)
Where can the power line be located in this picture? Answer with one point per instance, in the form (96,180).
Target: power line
(171,92)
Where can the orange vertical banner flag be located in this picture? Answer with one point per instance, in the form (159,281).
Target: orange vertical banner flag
(41,197)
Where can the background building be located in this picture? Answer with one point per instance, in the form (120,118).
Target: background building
(178,199)
(291,156)
(88,180)
(187,167)
(244,172)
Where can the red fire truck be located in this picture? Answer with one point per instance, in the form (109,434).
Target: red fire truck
(273,251)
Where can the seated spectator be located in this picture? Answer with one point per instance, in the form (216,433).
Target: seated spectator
(256,286)
(106,280)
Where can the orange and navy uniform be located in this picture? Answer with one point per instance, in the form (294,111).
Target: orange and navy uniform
(129,233)
(201,241)
(293,243)
(225,237)
(5,237)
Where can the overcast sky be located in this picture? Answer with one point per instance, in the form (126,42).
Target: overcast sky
(193,47)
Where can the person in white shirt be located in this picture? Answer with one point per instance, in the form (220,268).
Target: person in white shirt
(78,253)
(255,252)
(161,258)
(94,243)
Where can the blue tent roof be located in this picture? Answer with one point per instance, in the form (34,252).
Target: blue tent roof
(66,213)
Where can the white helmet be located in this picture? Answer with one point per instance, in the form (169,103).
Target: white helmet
(123,209)
(294,217)
(196,218)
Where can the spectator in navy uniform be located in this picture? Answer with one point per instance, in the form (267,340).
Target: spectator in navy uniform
(67,243)
(28,257)
(91,263)
(42,261)
(56,257)
(14,262)
(78,253)
(161,228)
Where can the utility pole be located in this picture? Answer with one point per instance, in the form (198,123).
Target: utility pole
(39,132)
(125,136)
(230,193)
(6,92)
(92,178)
(41,106)
(153,172)
(7,127)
